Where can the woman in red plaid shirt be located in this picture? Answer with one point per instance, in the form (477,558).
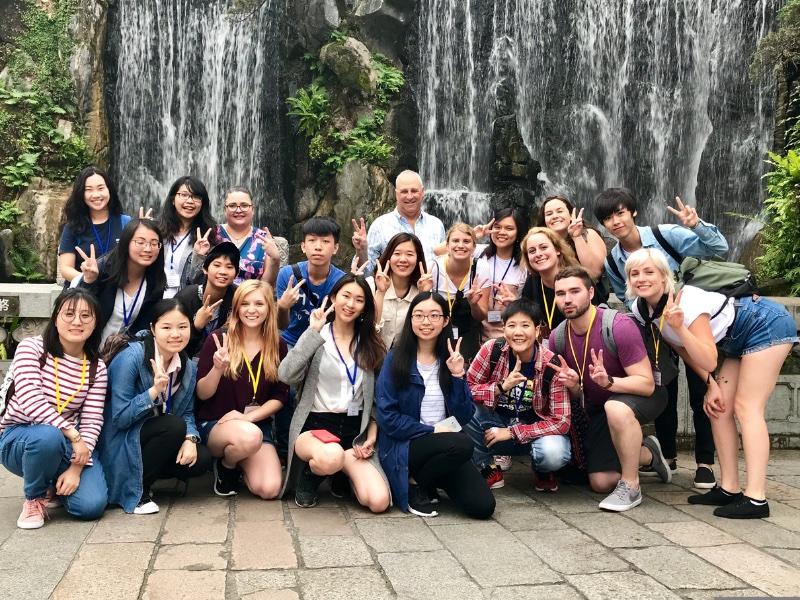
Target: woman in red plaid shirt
(522,409)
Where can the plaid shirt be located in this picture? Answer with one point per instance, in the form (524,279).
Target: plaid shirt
(555,412)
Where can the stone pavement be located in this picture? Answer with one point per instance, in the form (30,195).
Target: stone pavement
(537,546)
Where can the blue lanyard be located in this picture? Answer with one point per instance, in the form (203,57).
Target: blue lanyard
(128,316)
(350,378)
(100,246)
(503,278)
(174,247)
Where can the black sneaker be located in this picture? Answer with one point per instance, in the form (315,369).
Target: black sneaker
(433,495)
(419,503)
(716,497)
(305,491)
(658,462)
(744,508)
(672,463)
(226,481)
(340,485)
(704,478)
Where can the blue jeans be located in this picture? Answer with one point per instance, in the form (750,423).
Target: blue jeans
(548,453)
(39,454)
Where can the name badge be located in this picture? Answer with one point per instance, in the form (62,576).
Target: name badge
(353,408)
(250,408)
(657,376)
(494,316)
(173,279)
(455,333)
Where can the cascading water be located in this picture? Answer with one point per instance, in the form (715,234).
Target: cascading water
(651,95)
(196,91)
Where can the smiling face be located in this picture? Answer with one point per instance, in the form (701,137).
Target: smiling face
(144,247)
(404,259)
(187,204)
(253,309)
(647,281)
(542,254)
(171,332)
(556,216)
(75,322)
(96,193)
(427,320)
(520,333)
(239,210)
(620,224)
(348,303)
(408,193)
(460,245)
(221,272)
(504,233)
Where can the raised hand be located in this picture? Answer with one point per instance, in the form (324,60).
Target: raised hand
(221,358)
(145,215)
(482,231)
(515,376)
(160,377)
(576,228)
(566,375)
(319,316)
(473,294)
(89,267)
(688,215)
(673,313)
(382,277)
(355,269)
(206,312)
(291,294)
(425,283)
(201,244)
(597,370)
(359,234)
(505,295)
(456,361)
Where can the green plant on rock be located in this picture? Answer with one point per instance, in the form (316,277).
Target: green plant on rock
(9,214)
(27,266)
(310,107)
(390,79)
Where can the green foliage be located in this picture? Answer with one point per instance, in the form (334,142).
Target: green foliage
(390,78)
(338,36)
(310,106)
(27,266)
(781,257)
(781,46)
(9,213)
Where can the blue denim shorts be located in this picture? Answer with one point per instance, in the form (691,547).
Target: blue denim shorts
(265,426)
(759,324)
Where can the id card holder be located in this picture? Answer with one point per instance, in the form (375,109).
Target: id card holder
(173,279)
(494,316)
(250,408)
(455,333)
(657,376)
(353,408)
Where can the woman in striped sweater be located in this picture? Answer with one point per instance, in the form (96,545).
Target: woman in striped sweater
(54,414)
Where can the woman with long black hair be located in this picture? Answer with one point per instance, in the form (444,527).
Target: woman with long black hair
(422,384)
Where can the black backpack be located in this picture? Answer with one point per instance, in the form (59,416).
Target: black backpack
(494,357)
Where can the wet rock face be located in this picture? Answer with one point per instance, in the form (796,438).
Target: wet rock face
(42,205)
(315,20)
(352,63)
(384,23)
(11,18)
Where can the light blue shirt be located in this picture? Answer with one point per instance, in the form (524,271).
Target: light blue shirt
(704,241)
(427,228)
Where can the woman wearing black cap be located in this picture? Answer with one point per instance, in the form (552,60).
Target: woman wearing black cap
(210,302)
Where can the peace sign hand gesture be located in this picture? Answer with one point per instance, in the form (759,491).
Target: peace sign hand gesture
(456,361)
(597,370)
(355,269)
(89,267)
(206,312)
(482,231)
(575,228)
(382,277)
(201,243)
(221,357)
(359,234)
(268,243)
(319,316)
(160,377)
(425,283)
(145,215)
(473,294)
(291,294)
(673,313)
(566,375)
(505,296)
(688,215)
(515,376)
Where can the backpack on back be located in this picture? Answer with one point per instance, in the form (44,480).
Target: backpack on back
(494,357)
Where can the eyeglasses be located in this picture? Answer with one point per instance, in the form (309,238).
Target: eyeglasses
(239,207)
(140,243)
(68,316)
(187,196)
(420,318)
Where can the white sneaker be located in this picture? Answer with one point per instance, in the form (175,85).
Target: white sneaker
(146,506)
(33,514)
(622,498)
(504,462)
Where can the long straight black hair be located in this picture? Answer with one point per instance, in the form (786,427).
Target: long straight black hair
(522,227)
(367,347)
(70,298)
(116,271)
(404,352)
(170,222)
(76,212)
(400,238)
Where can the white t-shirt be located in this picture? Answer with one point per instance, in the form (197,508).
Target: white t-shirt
(493,271)
(432,409)
(696,302)
(116,322)
(176,253)
(334,392)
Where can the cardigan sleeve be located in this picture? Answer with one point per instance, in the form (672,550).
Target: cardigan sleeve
(294,367)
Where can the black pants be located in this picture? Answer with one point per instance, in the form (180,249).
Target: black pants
(667,422)
(443,460)
(161,438)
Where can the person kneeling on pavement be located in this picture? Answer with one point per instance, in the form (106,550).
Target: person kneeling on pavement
(520,410)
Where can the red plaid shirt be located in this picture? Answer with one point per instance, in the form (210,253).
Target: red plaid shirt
(554,411)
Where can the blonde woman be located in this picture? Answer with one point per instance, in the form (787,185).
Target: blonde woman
(238,392)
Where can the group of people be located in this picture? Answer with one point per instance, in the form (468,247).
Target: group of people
(183,346)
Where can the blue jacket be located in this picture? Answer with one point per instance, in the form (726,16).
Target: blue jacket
(398,422)
(128,405)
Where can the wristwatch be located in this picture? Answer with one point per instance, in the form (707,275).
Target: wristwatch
(193,438)
(610,383)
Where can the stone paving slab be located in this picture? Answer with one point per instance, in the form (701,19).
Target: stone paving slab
(118,526)
(534,592)
(571,551)
(615,530)
(426,575)
(185,585)
(390,535)
(670,565)
(620,585)
(192,557)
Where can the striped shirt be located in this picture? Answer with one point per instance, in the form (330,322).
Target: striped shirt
(34,399)
(432,409)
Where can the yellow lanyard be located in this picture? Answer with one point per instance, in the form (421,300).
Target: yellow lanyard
(59,406)
(657,338)
(548,312)
(460,287)
(582,367)
(254,379)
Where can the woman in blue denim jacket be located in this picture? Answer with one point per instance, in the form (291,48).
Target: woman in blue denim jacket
(422,384)
(149,430)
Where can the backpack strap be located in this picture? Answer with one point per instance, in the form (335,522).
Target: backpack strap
(558,335)
(547,376)
(494,356)
(613,266)
(665,244)
(607,330)
(298,277)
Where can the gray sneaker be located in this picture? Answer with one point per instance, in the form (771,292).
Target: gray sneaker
(622,498)
(659,463)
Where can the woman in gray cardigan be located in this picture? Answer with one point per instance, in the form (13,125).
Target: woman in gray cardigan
(332,431)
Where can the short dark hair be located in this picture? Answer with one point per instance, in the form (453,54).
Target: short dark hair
(607,202)
(526,307)
(578,272)
(322,226)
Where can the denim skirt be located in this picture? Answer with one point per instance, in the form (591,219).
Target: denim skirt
(759,324)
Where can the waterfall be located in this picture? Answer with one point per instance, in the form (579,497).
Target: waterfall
(652,95)
(195,90)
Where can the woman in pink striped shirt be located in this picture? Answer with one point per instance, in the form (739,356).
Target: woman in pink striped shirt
(54,413)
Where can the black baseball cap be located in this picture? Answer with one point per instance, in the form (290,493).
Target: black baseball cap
(228,249)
